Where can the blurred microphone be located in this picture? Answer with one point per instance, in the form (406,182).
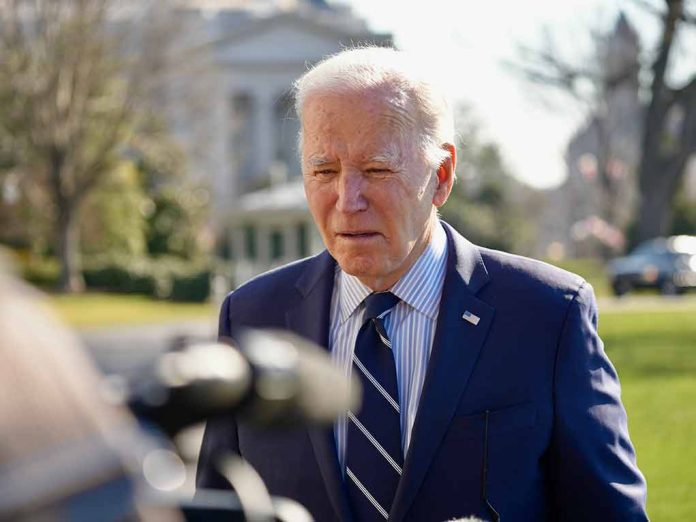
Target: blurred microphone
(270,378)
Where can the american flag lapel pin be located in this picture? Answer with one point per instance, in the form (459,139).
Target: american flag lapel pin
(473,319)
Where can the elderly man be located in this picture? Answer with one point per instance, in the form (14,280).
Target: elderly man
(486,388)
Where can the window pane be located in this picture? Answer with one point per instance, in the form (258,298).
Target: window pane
(276,239)
(250,242)
(302,240)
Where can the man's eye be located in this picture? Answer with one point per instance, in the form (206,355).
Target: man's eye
(323,173)
(378,170)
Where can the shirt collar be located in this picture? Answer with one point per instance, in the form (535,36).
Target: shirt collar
(420,287)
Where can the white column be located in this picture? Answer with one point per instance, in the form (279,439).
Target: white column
(228,121)
(240,262)
(264,132)
(225,177)
(238,244)
(262,246)
(290,241)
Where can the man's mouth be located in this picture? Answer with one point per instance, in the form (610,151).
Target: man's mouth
(358,234)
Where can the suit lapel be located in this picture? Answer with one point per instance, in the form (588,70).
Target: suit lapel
(310,318)
(456,347)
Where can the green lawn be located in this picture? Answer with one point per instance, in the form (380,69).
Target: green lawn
(653,347)
(652,342)
(591,269)
(96,309)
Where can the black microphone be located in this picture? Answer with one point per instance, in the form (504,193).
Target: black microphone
(271,378)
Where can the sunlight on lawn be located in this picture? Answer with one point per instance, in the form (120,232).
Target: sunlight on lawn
(92,310)
(654,351)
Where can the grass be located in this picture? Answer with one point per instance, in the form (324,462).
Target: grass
(654,351)
(97,309)
(591,269)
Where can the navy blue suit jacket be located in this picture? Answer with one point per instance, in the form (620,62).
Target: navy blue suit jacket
(557,439)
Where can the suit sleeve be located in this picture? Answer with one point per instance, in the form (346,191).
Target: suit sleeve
(592,462)
(220,437)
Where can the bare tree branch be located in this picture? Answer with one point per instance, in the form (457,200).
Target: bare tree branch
(649,8)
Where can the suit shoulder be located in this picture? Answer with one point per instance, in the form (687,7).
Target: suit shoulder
(275,283)
(531,275)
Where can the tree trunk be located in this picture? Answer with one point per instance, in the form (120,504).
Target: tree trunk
(661,168)
(657,196)
(67,226)
(71,280)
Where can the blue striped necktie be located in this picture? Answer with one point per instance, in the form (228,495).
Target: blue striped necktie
(373,453)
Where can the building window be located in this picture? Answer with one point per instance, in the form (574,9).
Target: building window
(224,247)
(302,240)
(250,243)
(276,239)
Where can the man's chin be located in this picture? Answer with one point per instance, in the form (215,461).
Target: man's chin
(369,272)
(360,266)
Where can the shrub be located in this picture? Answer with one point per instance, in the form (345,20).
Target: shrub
(41,272)
(119,274)
(162,278)
(194,287)
(165,277)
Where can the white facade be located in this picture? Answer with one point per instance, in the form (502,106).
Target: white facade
(245,138)
(271,227)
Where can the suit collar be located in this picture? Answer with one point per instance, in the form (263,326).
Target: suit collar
(310,317)
(466,261)
(317,271)
(456,348)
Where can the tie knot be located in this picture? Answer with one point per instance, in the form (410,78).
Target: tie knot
(379,302)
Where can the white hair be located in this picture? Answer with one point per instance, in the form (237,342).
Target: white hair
(413,94)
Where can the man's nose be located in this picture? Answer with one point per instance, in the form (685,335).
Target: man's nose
(350,193)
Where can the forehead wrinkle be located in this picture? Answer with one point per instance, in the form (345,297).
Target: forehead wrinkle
(317,159)
(385,117)
(392,155)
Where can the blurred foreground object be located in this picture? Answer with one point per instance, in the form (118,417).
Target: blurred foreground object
(272,378)
(61,452)
(668,264)
(71,451)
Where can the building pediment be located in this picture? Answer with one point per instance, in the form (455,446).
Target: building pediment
(289,38)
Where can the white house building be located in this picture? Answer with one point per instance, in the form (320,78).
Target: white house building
(245,140)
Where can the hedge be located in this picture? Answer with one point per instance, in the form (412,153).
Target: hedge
(163,278)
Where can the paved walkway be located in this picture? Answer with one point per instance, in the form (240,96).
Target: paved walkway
(119,348)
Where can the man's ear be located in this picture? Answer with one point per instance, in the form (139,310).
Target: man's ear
(445,176)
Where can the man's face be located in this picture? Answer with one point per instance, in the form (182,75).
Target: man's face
(369,190)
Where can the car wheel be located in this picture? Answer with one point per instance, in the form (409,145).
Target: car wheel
(667,287)
(620,287)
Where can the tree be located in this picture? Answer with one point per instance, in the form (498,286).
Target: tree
(65,106)
(669,132)
(668,127)
(79,81)
(604,85)
(487,204)
(115,215)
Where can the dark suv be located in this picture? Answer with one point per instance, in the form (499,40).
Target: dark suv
(668,264)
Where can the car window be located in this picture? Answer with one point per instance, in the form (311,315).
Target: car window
(654,247)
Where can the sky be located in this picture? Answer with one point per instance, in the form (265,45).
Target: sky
(471,42)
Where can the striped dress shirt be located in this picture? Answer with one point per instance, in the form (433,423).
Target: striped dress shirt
(410,326)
